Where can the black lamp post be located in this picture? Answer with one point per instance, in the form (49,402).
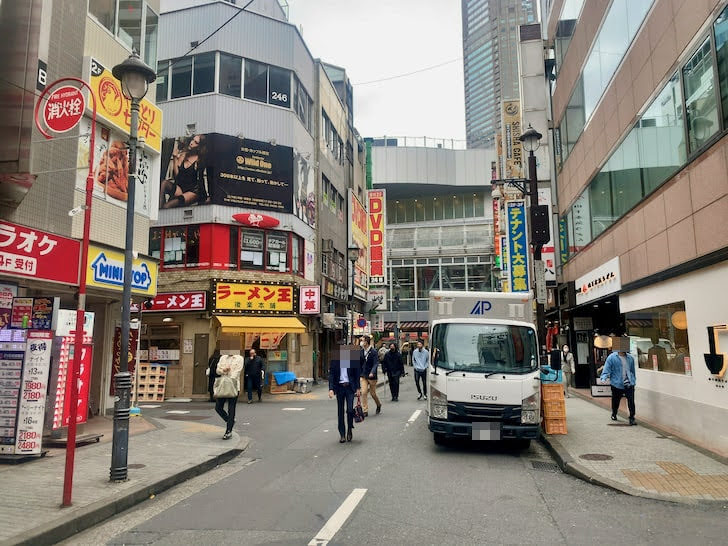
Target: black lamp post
(397,294)
(135,77)
(353,254)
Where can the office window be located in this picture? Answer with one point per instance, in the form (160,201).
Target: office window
(256,81)
(150,37)
(231,72)
(251,249)
(600,203)
(303,105)
(175,247)
(721,46)
(700,103)
(659,337)
(296,261)
(155,242)
(104,11)
(437,208)
(130,23)
(162,80)
(280,86)
(181,78)
(478,277)
(277,248)
(625,174)
(204,73)
(453,277)
(428,278)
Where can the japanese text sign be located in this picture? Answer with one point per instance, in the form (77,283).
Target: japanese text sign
(31,411)
(65,360)
(116,109)
(359,237)
(64,109)
(377,245)
(310,300)
(518,249)
(513,147)
(26,252)
(106,270)
(180,301)
(257,298)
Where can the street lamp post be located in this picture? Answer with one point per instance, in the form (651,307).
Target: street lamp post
(135,77)
(397,294)
(353,255)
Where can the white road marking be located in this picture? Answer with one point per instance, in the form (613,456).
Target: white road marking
(415,415)
(293,409)
(336,521)
(178,412)
(150,406)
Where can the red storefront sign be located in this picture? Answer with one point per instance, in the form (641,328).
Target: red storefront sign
(35,254)
(254,219)
(310,298)
(179,301)
(64,109)
(377,250)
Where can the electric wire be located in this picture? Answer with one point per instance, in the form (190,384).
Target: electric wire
(397,76)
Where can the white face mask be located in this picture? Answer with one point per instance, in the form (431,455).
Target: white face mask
(361,344)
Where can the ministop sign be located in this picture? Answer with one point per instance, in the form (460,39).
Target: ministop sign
(64,109)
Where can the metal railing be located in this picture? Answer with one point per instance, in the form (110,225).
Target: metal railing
(418,142)
(450,237)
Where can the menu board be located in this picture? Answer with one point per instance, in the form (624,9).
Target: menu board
(33,394)
(21,314)
(12,350)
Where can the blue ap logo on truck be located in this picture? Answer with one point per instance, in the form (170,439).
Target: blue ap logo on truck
(481,307)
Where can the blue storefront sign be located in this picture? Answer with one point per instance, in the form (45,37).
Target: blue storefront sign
(518,249)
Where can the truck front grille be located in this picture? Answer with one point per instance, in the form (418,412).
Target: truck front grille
(462,412)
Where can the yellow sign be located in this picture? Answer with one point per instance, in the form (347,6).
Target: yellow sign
(112,106)
(513,148)
(105,269)
(254,298)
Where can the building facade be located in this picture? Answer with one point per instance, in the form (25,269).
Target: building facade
(490,61)
(439,225)
(639,110)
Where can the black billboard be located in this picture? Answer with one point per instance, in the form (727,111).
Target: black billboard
(225,170)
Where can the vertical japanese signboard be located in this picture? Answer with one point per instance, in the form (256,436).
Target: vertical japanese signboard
(548,252)
(496,231)
(377,244)
(513,148)
(359,237)
(582,223)
(517,246)
(310,300)
(31,410)
(563,241)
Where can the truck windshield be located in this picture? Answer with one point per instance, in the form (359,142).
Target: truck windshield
(481,348)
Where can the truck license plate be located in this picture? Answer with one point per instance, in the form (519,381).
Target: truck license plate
(486,431)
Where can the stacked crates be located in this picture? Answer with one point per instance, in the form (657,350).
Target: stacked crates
(151,382)
(553,408)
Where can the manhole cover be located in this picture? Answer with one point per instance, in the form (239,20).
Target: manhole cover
(136,465)
(185,417)
(596,457)
(543,466)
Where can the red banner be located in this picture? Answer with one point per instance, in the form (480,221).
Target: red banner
(131,354)
(179,301)
(62,410)
(31,253)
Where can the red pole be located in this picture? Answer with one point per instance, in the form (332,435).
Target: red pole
(74,372)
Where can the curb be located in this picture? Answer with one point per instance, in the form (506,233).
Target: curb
(93,514)
(569,466)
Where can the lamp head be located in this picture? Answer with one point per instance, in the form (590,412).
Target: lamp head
(531,139)
(353,253)
(135,77)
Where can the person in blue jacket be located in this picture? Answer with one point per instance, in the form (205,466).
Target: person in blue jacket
(619,368)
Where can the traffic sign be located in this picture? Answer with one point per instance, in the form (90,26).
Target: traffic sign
(64,109)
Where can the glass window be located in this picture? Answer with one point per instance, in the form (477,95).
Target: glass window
(175,246)
(256,81)
(478,205)
(181,78)
(479,277)
(150,37)
(406,278)
(458,208)
(428,278)
(277,247)
(453,277)
(574,118)
(251,249)
(162,80)
(193,246)
(600,203)
(155,242)
(296,263)
(721,46)
(624,171)
(661,136)
(437,209)
(130,23)
(447,208)
(231,69)
(233,254)
(104,11)
(700,102)
(419,210)
(280,86)
(204,80)
(658,337)
(409,206)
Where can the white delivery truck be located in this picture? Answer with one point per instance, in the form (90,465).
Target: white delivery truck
(484,374)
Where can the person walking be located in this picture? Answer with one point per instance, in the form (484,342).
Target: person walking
(211,375)
(227,388)
(420,362)
(393,366)
(619,368)
(343,384)
(567,368)
(254,375)
(368,362)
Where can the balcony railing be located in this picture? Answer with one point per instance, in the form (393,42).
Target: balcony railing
(419,142)
(463,237)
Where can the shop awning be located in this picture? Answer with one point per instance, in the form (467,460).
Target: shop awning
(252,325)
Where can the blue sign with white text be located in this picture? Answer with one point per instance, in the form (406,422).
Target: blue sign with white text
(518,249)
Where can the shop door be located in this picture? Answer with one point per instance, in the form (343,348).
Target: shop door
(199,378)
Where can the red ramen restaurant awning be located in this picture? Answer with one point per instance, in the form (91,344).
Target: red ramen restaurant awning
(254,325)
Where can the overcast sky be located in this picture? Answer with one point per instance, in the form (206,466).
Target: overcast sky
(375,39)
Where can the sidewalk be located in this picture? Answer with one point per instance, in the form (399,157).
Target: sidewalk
(165,453)
(636,460)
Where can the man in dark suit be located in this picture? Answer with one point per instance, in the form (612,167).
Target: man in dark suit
(344,375)
(369,362)
(254,375)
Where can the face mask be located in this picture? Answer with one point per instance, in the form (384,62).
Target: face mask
(566,351)
(361,344)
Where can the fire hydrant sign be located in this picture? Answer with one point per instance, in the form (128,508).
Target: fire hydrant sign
(31,410)
(64,109)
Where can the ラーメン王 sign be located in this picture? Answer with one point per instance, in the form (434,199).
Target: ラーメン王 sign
(179,301)
(254,298)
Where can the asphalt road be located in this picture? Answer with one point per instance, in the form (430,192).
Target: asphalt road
(398,486)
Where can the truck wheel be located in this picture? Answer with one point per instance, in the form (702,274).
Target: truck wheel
(521,444)
(439,438)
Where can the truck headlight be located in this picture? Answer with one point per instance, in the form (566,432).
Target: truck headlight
(438,404)
(530,414)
